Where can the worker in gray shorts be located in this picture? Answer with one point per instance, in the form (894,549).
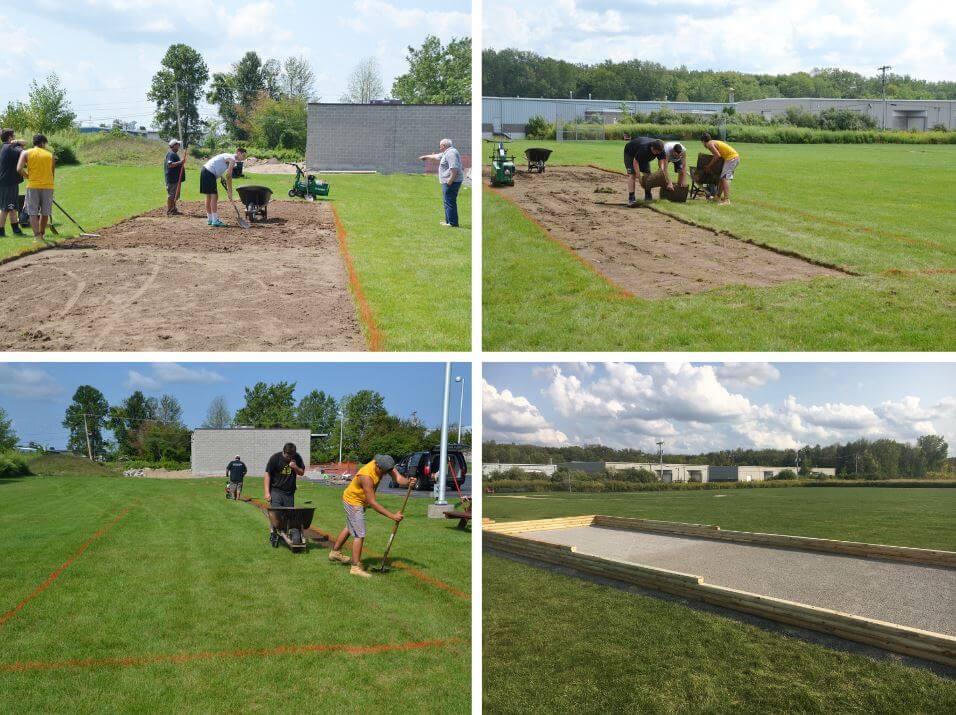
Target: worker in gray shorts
(38,166)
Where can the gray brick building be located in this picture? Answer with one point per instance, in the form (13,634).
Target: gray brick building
(213,449)
(387,138)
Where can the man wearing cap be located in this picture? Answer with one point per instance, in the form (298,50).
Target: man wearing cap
(281,471)
(359,496)
(175,173)
(236,471)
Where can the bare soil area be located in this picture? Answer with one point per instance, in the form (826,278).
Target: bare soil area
(158,283)
(646,253)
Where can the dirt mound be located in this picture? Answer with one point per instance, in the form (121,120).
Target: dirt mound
(151,283)
(646,253)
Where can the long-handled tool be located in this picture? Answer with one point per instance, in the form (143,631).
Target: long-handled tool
(83,230)
(239,219)
(388,547)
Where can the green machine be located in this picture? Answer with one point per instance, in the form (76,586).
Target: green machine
(306,186)
(502,166)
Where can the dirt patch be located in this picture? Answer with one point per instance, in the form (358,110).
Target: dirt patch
(643,252)
(152,283)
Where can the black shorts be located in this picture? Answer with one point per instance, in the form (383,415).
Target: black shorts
(277,497)
(207,182)
(8,197)
(644,166)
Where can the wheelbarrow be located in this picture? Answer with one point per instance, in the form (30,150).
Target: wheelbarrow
(536,157)
(289,524)
(256,200)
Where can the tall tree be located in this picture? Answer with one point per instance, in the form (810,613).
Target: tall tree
(319,412)
(218,415)
(128,418)
(8,438)
(222,93)
(46,110)
(268,406)
(170,411)
(298,79)
(365,83)
(935,450)
(90,403)
(436,74)
(181,67)
(362,410)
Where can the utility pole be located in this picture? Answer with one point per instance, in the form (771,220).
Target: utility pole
(660,451)
(883,70)
(437,509)
(86,428)
(179,118)
(341,433)
(461,404)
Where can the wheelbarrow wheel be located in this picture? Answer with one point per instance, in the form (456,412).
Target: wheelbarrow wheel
(296,536)
(292,193)
(274,539)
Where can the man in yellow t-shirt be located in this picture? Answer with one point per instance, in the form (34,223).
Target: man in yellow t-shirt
(38,166)
(722,150)
(358,496)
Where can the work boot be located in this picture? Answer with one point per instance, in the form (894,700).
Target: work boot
(16,229)
(335,555)
(648,196)
(357,570)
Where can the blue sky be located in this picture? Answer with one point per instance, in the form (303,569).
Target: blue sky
(106,51)
(698,407)
(35,395)
(916,37)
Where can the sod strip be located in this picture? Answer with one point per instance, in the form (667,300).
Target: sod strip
(133,661)
(61,568)
(374,337)
(398,564)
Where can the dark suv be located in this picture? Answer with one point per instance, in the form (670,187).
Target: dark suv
(424,466)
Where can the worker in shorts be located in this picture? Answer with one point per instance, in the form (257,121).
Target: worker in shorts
(675,154)
(10,181)
(236,472)
(359,496)
(721,150)
(175,173)
(38,166)
(219,166)
(282,469)
(638,154)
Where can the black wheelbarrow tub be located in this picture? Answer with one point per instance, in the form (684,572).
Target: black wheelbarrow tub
(536,154)
(255,195)
(286,518)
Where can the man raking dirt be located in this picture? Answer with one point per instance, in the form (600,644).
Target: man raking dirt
(359,496)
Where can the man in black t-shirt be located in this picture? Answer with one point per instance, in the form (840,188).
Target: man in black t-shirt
(10,181)
(175,176)
(236,471)
(638,154)
(281,471)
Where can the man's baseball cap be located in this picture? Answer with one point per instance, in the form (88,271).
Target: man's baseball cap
(175,142)
(237,456)
(384,462)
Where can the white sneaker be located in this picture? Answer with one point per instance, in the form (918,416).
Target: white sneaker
(445,223)
(359,571)
(339,556)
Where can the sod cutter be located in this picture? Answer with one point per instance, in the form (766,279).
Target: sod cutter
(388,547)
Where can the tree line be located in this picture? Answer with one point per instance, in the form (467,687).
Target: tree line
(516,73)
(863,458)
(151,429)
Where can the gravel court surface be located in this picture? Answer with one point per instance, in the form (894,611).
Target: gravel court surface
(906,594)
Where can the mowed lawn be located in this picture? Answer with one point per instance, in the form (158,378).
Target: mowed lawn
(880,211)
(554,643)
(415,274)
(181,605)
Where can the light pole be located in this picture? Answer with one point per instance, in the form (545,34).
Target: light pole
(438,509)
(461,404)
(341,434)
(883,70)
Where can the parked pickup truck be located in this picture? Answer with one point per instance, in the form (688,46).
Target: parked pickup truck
(424,466)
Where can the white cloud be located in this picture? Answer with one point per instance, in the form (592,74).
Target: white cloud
(744,375)
(512,418)
(28,383)
(375,15)
(136,380)
(169,372)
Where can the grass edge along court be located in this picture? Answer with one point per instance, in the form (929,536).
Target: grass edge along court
(135,592)
(834,204)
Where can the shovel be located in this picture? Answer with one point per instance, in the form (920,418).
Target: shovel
(239,219)
(388,547)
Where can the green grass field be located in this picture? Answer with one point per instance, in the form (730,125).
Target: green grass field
(181,605)
(554,643)
(415,274)
(876,210)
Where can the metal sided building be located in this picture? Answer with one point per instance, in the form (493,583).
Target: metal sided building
(387,138)
(213,449)
(667,473)
(898,114)
(498,467)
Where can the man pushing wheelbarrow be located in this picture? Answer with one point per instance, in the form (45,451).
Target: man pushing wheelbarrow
(359,496)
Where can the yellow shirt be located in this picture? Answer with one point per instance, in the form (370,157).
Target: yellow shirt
(725,150)
(354,493)
(39,168)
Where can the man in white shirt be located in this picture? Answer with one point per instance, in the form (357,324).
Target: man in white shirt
(675,154)
(217,167)
(451,175)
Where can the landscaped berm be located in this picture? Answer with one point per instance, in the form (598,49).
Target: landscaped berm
(823,247)
(367,268)
(146,595)
(802,600)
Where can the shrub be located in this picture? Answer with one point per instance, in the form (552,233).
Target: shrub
(800,117)
(786,474)
(939,127)
(539,128)
(845,119)
(284,155)
(168,464)
(13,465)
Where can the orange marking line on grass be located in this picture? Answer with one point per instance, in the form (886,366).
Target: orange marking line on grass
(622,292)
(129,661)
(61,568)
(374,336)
(920,271)
(421,576)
